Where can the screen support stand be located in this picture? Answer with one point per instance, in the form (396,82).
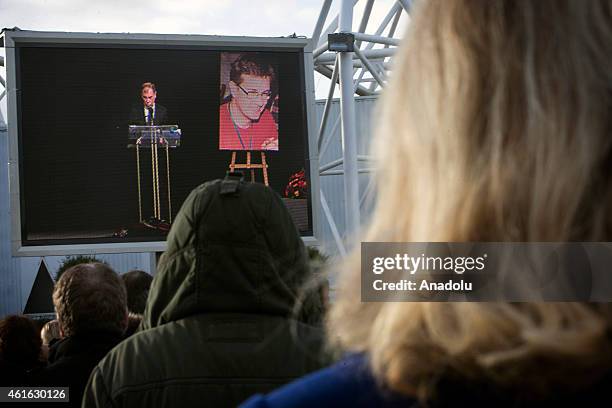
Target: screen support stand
(156,221)
(251,166)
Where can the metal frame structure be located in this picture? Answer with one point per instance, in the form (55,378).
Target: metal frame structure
(362,70)
(12,39)
(2,92)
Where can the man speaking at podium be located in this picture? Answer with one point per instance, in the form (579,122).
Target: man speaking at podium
(149,113)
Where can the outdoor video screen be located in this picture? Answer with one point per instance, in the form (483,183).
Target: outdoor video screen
(112,140)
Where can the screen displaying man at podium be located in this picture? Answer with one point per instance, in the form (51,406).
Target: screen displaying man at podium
(147,157)
(249,105)
(149,113)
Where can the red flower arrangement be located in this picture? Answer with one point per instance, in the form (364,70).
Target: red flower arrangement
(298,186)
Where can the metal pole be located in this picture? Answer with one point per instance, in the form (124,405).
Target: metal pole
(138,174)
(394,24)
(390,35)
(379,39)
(380,53)
(330,95)
(406,5)
(168,179)
(330,28)
(332,225)
(338,162)
(327,136)
(324,47)
(349,143)
(325,70)
(364,20)
(158,215)
(396,8)
(367,193)
(340,172)
(370,68)
(316,34)
(330,165)
(153,177)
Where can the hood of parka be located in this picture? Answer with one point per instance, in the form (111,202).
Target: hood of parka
(233,248)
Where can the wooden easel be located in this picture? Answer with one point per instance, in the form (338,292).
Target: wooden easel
(251,166)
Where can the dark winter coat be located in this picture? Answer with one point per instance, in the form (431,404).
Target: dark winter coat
(220,323)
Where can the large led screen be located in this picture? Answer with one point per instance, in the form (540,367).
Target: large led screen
(112,140)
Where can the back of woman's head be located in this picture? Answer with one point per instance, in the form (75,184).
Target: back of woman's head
(19,341)
(494,127)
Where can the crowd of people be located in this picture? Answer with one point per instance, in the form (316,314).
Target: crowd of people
(96,309)
(221,308)
(494,127)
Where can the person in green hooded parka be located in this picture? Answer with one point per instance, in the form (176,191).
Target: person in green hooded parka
(221,321)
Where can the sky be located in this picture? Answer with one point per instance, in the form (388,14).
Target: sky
(219,17)
(269,18)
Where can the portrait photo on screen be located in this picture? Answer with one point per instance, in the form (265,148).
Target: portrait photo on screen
(248,113)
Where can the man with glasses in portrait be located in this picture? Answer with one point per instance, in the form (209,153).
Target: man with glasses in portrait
(246,121)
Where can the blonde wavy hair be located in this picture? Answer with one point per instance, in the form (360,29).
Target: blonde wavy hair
(495,126)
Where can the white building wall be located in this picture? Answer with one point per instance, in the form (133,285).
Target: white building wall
(333,186)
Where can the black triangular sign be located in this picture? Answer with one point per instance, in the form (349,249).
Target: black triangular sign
(40,299)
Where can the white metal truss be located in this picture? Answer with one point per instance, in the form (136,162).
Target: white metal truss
(2,83)
(362,71)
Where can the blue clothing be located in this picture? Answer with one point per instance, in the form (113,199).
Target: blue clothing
(348,383)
